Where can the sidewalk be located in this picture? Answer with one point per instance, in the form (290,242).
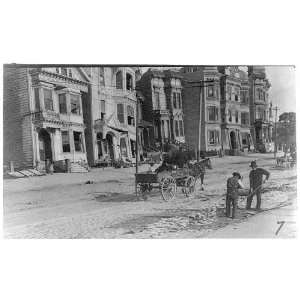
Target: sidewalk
(277,223)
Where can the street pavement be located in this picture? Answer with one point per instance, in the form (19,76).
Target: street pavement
(102,204)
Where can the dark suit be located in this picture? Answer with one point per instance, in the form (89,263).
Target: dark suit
(256,181)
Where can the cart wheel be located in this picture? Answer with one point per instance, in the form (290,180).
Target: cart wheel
(141,191)
(168,188)
(189,186)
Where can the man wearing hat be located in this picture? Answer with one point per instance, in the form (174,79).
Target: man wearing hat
(233,185)
(256,181)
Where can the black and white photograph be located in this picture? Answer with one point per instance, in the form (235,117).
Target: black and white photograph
(146,152)
(149,150)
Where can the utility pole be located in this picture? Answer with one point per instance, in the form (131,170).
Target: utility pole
(275,143)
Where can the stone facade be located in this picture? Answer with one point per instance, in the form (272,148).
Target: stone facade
(226,108)
(43,115)
(162,107)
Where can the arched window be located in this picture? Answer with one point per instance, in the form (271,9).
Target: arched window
(119,80)
(129,82)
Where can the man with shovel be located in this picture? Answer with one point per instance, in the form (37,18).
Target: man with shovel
(256,182)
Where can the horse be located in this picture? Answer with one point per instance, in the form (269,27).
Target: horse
(198,169)
(182,160)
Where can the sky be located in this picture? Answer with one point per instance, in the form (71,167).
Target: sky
(283,90)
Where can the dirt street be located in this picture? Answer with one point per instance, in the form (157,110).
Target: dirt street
(65,206)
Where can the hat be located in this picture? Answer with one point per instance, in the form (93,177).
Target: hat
(237,174)
(253,164)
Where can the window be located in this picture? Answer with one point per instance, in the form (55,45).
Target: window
(174,100)
(244,118)
(65,141)
(236,117)
(64,71)
(213,137)
(102,109)
(123,147)
(70,73)
(75,104)
(99,144)
(62,103)
(156,100)
(129,82)
(229,116)
(120,112)
(176,128)
(213,113)
(210,91)
(130,115)
(78,141)
(181,127)
(119,80)
(48,99)
(179,100)
(259,114)
(237,93)
(244,138)
(37,99)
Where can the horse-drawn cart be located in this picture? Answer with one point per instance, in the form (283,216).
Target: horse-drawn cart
(167,178)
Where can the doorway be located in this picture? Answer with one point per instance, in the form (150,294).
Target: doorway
(233,140)
(44,148)
(110,145)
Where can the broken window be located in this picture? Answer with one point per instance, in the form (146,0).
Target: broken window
(48,100)
(65,141)
(129,82)
(62,103)
(120,112)
(75,104)
(78,141)
(130,115)
(119,80)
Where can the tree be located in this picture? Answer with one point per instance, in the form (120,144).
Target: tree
(286,130)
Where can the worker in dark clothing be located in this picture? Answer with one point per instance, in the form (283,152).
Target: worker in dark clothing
(233,185)
(256,182)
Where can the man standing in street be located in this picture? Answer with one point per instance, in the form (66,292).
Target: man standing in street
(233,186)
(256,182)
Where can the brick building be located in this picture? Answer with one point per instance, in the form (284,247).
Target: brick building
(43,115)
(201,107)
(111,129)
(162,107)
